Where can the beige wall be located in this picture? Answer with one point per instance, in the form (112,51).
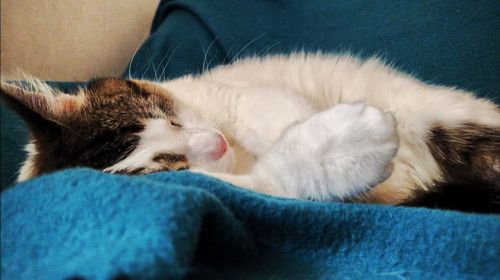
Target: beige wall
(71,39)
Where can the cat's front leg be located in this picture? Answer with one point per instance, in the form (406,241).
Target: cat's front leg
(261,182)
(333,155)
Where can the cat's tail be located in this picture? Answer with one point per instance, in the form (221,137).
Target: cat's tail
(469,157)
(470,195)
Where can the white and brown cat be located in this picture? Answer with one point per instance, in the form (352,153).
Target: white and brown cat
(305,126)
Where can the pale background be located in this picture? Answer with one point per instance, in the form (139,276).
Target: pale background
(71,40)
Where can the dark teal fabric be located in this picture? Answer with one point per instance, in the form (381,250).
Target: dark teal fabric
(453,43)
(14,136)
(82,222)
(180,225)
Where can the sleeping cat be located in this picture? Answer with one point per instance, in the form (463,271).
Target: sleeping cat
(305,126)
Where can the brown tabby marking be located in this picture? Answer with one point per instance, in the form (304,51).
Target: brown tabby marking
(469,156)
(467,151)
(172,161)
(95,128)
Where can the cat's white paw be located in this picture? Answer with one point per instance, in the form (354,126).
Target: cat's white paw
(366,141)
(335,154)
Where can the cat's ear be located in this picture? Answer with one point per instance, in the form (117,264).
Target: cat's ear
(40,107)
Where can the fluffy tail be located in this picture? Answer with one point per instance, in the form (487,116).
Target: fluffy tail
(469,156)
(470,195)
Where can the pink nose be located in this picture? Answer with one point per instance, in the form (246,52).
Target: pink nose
(220,148)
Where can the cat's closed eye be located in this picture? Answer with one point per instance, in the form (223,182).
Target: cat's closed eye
(176,124)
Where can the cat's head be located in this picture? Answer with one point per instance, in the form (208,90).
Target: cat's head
(115,125)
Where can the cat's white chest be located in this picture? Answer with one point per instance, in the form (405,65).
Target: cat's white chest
(262,114)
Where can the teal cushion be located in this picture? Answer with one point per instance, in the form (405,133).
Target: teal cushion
(14,136)
(454,43)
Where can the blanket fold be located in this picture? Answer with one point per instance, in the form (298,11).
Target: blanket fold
(81,223)
(180,225)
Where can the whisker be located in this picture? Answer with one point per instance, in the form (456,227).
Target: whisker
(145,71)
(203,51)
(152,64)
(247,45)
(206,53)
(134,54)
(227,54)
(161,61)
(168,61)
(268,48)
(210,61)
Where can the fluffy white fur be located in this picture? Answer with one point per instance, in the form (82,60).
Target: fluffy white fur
(289,136)
(254,100)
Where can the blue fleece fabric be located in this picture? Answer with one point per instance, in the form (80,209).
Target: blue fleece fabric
(179,225)
(81,223)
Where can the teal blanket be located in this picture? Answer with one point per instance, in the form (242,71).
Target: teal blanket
(81,223)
